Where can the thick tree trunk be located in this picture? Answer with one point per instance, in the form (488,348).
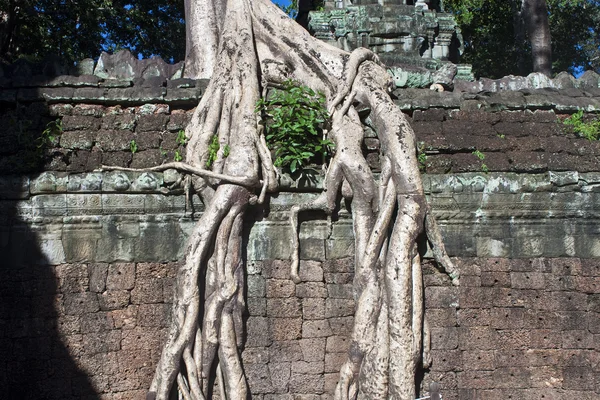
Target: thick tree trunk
(258,47)
(535,17)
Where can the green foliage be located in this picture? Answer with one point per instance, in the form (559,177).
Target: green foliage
(49,135)
(481,157)
(588,129)
(213,149)
(133,147)
(74,30)
(181,141)
(295,116)
(422,157)
(488,30)
(177,157)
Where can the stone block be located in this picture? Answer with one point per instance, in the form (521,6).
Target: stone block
(259,378)
(341,291)
(121,276)
(284,307)
(304,367)
(147,290)
(306,383)
(337,344)
(310,271)
(334,361)
(285,351)
(341,325)
(256,306)
(312,249)
(338,277)
(256,286)
(283,329)
(72,278)
(313,308)
(80,303)
(313,349)
(154,315)
(344,265)
(507,318)
(113,299)
(316,328)
(97,273)
(441,317)
(256,329)
(577,339)
(473,338)
(125,318)
(255,355)
(280,288)
(339,248)
(277,269)
(96,322)
(527,280)
(339,308)
(104,342)
(442,297)
(497,279)
(280,375)
(311,290)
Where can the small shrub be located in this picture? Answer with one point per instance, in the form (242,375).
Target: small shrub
(133,147)
(586,129)
(295,116)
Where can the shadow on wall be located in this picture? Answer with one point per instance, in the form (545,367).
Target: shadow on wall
(35,361)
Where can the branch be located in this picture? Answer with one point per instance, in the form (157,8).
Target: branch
(180,166)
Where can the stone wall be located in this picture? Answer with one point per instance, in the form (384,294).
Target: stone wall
(90,257)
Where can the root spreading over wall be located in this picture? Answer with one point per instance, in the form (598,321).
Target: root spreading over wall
(259,47)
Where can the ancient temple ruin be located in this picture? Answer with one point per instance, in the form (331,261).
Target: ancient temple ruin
(401,32)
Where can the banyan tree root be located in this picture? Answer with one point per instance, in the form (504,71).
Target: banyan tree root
(258,46)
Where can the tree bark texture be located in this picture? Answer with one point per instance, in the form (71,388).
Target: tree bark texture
(534,14)
(246,46)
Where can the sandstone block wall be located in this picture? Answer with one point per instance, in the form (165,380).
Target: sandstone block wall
(89,258)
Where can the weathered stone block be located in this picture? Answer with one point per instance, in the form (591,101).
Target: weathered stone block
(96,322)
(311,290)
(316,328)
(259,378)
(280,375)
(313,349)
(254,355)
(339,308)
(306,383)
(313,308)
(284,307)
(256,327)
(256,306)
(310,271)
(280,288)
(283,329)
(334,361)
(285,351)
(113,299)
(120,276)
(80,303)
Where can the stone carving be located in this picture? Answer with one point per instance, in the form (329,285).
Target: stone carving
(118,181)
(146,181)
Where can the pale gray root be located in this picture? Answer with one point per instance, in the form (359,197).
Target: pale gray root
(257,45)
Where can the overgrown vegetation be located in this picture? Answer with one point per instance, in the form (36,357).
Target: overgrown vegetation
(481,157)
(181,141)
(589,129)
(295,117)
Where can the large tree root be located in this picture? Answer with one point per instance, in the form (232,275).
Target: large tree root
(259,47)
